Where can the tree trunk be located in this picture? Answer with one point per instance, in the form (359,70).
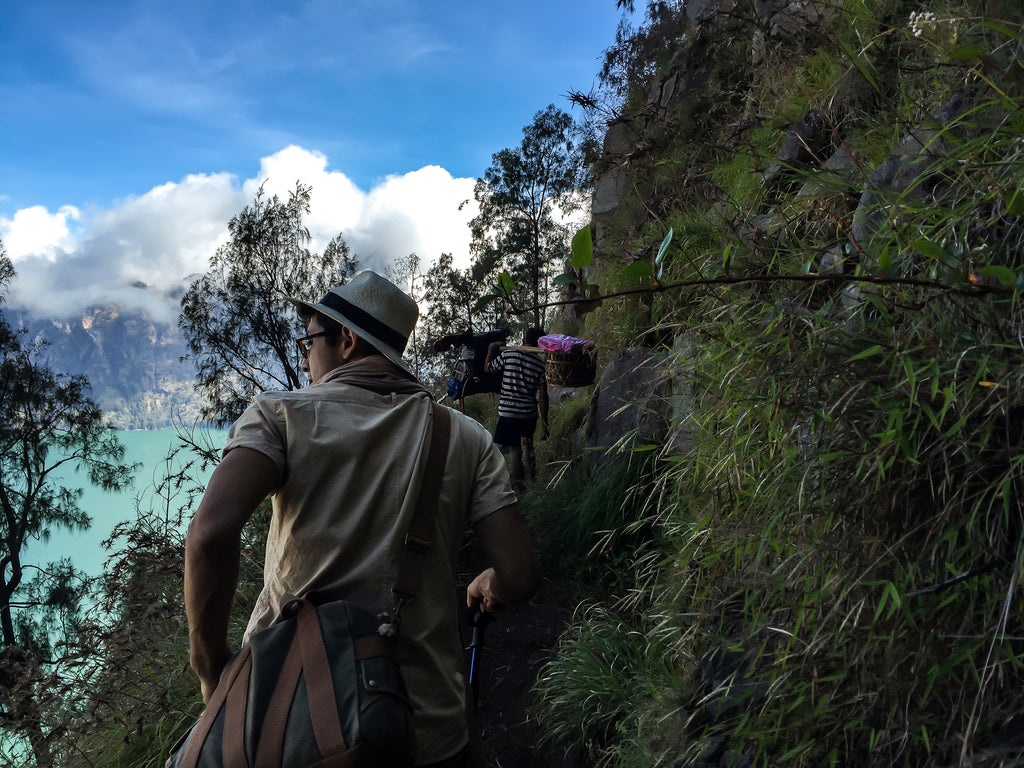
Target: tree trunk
(7,588)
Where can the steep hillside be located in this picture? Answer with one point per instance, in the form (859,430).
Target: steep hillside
(812,212)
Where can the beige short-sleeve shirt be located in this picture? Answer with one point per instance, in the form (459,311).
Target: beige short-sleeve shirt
(352,464)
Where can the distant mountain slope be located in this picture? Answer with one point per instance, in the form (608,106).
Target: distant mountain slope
(133,363)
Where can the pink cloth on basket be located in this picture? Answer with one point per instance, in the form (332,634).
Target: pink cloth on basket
(557,342)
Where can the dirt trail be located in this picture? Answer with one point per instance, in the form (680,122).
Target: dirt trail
(516,645)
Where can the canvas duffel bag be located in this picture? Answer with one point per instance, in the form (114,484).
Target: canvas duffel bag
(320,688)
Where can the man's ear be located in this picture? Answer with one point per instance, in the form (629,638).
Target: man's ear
(348,344)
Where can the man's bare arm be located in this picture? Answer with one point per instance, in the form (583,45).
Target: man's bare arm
(237,486)
(515,574)
(493,351)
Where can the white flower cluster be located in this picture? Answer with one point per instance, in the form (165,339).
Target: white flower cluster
(922,21)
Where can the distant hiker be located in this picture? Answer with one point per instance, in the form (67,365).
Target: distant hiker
(343,461)
(523,388)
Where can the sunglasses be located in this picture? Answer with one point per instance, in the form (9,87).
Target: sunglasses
(303,346)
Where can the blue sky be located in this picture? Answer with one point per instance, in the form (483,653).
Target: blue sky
(133,130)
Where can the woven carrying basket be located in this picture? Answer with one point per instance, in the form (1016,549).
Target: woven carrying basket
(570,369)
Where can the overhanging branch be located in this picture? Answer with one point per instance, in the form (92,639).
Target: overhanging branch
(967,289)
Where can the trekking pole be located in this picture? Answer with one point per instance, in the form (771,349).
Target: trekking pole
(481,619)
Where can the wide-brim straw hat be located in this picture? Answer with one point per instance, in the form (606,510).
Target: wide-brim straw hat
(373,308)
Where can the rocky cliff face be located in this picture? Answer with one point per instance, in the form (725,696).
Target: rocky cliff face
(133,363)
(831,183)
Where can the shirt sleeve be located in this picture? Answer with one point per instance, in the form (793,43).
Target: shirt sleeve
(491,490)
(497,364)
(260,428)
(487,487)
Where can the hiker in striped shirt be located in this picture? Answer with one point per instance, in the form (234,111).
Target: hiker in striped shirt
(523,388)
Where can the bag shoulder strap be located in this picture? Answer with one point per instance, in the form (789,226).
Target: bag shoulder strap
(421,528)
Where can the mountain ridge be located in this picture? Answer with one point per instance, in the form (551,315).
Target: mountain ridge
(138,368)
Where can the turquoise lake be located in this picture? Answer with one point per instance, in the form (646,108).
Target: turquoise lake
(148,448)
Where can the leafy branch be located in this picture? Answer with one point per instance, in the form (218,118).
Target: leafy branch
(585,296)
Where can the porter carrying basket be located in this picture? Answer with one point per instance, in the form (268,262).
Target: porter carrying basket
(570,369)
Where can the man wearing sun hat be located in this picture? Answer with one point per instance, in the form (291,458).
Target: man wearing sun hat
(343,462)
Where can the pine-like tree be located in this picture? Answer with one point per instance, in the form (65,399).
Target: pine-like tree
(235,318)
(48,423)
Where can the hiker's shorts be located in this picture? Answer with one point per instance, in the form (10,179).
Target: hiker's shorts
(510,432)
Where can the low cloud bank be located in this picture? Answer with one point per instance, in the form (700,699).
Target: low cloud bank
(141,253)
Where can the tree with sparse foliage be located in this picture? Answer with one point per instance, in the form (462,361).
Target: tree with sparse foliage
(235,318)
(405,273)
(48,424)
(452,294)
(524,197)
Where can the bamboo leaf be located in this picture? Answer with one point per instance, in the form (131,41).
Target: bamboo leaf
(567,278)
(664,247)
(881,603)
(506,284)
(890,597)
(1004,275)
(484,301)
(582,249)
(1015,203)
(833,455)
(930,414)
(956,427)
(874,350)
(860,62)
(967,52)
(1000,27)
(638,269)
(933,250)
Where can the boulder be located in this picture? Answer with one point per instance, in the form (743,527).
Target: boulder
(643,397)
(838,174)
(906,174)
(799,150)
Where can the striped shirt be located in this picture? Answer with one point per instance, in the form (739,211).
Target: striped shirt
(522,374)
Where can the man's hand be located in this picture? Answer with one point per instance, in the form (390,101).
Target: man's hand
(482,589)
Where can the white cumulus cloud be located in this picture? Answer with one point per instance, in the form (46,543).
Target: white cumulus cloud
(36,231)
(417,212)
(139,251)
